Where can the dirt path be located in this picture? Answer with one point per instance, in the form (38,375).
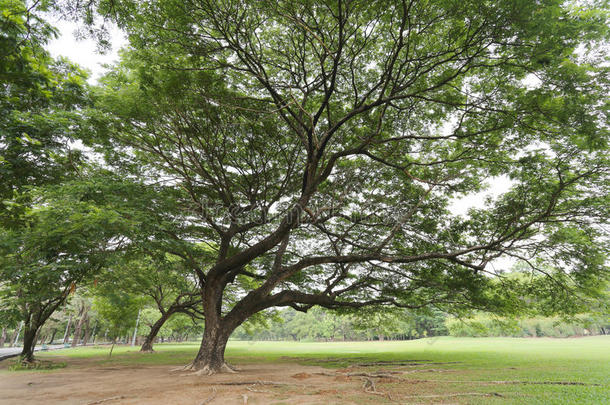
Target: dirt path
(83,383)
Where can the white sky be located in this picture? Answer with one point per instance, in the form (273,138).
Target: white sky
(83,52)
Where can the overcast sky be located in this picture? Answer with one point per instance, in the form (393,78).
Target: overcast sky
(83,52)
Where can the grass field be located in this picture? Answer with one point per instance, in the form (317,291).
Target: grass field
(479,362)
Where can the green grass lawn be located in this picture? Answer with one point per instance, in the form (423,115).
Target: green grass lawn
(585,360)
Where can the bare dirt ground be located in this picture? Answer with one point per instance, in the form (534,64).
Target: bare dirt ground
(84,382)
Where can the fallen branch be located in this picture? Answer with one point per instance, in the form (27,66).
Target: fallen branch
(210,398)
(106,400)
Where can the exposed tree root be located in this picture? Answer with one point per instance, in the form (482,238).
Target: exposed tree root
(106,400)
(373,375)
(252,383)
(210,398)
(259,391)
(186,367)
(369,387)
(459,394)
(403,363)
(507,382)
(206,370)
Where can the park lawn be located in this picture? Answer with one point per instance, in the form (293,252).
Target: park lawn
(478,361)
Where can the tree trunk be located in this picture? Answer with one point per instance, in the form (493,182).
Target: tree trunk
(147,346)
(13,338)
(79,327)
(211,356)
(29,342)
(52,336)
(87,332)
(3,337)
(67,334)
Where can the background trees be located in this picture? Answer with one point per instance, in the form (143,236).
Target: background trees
(163,281)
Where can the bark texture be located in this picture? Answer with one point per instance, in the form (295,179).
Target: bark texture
(211,356)
(29,343)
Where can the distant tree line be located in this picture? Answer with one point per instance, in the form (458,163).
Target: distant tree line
(323,325)
(485,325)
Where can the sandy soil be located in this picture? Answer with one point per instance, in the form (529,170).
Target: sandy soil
(84,382)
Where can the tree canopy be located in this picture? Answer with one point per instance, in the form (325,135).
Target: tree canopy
(317,148)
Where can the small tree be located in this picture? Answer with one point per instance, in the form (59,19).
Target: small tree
(164,280)
(67,238)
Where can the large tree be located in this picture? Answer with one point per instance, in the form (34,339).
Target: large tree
(319,145)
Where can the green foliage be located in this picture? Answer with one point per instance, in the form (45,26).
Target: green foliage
(485,325)
(374,124)
(118,311)
(66,237)
(40,107)
(367,324)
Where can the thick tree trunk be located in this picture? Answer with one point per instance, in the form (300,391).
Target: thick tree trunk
(147,346)
(3,337)
(29,342)
(211,356)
